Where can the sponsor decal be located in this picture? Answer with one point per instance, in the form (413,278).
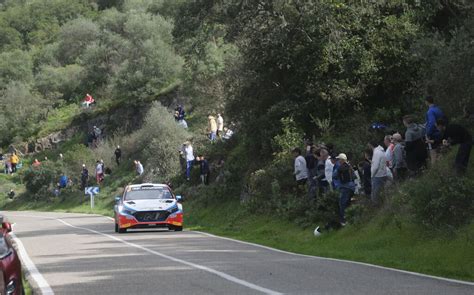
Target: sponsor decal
(126,225)
(176,223)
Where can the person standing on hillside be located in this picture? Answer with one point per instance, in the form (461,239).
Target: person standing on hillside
(453,134)
(387,141)
(220,126)
(84,176)
(179,114)
(399,158)
(433,135)
(345,175)
(301,171)
(88,101)
(328,170)
(365,172)
(99,172)
(205,170)
(378,171)
(118,155)
(212,128)
(14,160)
(415,147)
(311,162)
(139,168)
(189,156)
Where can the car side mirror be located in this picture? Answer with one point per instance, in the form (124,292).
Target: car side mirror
(117,199)
(179,198)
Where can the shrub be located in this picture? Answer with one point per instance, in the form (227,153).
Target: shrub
(39,180)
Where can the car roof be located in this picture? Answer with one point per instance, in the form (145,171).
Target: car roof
(145,185)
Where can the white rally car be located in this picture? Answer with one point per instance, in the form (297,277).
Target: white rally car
(148,205)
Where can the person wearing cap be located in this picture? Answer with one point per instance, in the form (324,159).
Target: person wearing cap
(378,170)
(399,164)
(346,186)
(84,176)
(118,155)
(300,172)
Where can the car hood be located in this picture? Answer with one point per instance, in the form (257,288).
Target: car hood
(149,205)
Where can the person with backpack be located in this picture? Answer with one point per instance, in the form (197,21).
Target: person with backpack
(415,148)
(453,134)
(346,187)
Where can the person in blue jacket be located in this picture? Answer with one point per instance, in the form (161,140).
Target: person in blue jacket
(63,180)
(433,135)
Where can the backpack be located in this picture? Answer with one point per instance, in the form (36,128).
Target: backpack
(345,173)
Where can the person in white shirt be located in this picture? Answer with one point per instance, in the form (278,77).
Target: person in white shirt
(378,171)
(189,156)
(140,169)
(99,172)
(220,126)
(301,171)
(328,170)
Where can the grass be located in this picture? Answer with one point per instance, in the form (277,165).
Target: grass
(407,247)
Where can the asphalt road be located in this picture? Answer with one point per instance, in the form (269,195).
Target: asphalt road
(81,254)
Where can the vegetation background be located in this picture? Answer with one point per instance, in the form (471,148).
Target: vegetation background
(280,71)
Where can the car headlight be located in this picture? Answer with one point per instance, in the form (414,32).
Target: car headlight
(11,287)
(173,209)
(126,211)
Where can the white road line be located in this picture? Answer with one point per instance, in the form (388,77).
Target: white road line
(197,266)
(31,268)
(341,260)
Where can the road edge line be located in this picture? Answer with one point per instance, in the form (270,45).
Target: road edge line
(33,276)
(341,260)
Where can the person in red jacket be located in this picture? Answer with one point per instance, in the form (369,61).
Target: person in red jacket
(88,100)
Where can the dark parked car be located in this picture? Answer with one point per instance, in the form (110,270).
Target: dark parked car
(10,265)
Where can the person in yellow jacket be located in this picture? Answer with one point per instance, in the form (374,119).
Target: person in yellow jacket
(212,128)
(14,160)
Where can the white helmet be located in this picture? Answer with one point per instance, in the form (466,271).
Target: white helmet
(317,232)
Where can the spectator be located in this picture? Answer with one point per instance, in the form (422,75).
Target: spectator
(328,170)
(63,181)
(88,101)
(212,126)
(36,163)
(322,156)
(365,173)
(335,170)
(99,172)
(415,147)
(220,168)
(301,172)
(204,168)
(118,155)
(189,156)
(180,114)
(433,135)
(220,126)
(389,150)
(84,176)
(345,176)
(311,163)
(378,171)
(14,160)
(139,168)
(11,194)
(453,134)
(399,158)
(8,165)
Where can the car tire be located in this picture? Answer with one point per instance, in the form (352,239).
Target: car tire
(178,228)
(122,230)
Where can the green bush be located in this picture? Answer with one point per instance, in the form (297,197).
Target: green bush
(441,199)
(39,180)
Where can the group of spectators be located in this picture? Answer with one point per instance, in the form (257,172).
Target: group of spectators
(189,161)
(322,170)
(11,162)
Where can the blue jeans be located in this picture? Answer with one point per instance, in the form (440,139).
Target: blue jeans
(377,185)
(345,195)
(212,136)
(189,166)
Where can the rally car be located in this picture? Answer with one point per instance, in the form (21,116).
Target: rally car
(148,205)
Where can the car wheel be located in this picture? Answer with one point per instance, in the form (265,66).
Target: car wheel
(122,230)
(178,228)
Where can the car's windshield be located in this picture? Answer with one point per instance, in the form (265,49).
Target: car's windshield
(4,249)
(141,193)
